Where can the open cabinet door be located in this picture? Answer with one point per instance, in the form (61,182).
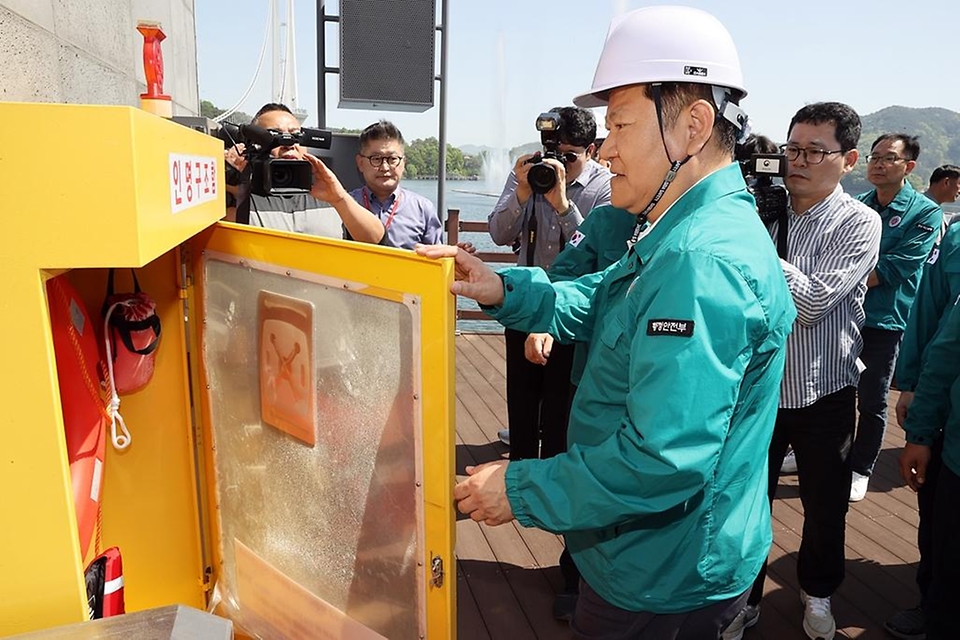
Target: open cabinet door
(326,372)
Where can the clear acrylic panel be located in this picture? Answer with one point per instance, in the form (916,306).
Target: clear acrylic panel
(312,395)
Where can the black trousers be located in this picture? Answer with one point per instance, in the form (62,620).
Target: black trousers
(879,355)
(821,436)
(942,620)
(538,399)
(925,503)
(596,618)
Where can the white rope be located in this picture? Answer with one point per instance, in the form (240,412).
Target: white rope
(122,440)
(263,48)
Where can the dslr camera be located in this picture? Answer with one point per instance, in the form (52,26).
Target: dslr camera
(542,177)
(271,176)
(759,172)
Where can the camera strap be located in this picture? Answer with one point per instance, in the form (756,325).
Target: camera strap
(532,232)
(782,234)
(531,235)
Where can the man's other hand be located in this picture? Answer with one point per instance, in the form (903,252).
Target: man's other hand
(903,406)
(483,496)
(520,170)
(913,464)
(537,347)
(326,186)
(234,156)
(474,279)
(557,197)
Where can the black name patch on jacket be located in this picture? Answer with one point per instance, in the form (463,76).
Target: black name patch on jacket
(924,227)
(668,327)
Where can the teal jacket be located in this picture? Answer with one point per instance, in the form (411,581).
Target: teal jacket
(911,223)
(937,400)
(600,241)
(939,289)
(662,495)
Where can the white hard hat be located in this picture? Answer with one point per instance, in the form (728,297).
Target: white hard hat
(664,44)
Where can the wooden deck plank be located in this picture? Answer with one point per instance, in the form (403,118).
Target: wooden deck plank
(502,614)
(509,574)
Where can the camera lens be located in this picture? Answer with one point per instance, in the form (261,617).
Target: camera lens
(281,177)
(542,178)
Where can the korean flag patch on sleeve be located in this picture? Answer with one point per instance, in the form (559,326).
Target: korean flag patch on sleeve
(576,238)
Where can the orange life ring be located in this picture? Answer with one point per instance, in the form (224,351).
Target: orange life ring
(84,415)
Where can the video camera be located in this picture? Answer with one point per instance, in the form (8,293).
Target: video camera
(542,177)
(271,176)
(759,172)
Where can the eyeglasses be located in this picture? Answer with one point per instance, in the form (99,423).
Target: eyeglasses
(377,161)
(810,156)
(887,159)
(571,156)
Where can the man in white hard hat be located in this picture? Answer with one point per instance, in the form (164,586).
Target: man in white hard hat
(662,492)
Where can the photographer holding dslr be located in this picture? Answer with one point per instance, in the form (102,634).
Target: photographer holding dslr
(542,205)
(286,196)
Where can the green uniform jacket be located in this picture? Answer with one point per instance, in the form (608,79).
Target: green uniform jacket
(939,288)
(938,394)
(600,241)
(910,226)
(662,495)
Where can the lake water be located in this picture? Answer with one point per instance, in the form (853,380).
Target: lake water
(475,200)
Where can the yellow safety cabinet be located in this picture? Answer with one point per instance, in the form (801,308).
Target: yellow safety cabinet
(291,459)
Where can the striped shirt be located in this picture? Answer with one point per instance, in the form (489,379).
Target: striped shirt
(300,213)
(831,249)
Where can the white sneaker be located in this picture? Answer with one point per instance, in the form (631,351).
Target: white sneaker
(818,622)
(789,463)
(504,435)
(747,617)
(858,487)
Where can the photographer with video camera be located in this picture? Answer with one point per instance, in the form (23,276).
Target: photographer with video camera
(760,162)
(828,248)
(281,186)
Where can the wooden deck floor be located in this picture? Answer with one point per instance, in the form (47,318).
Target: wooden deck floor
(507,576)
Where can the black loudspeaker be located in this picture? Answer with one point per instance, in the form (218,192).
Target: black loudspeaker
(387,54)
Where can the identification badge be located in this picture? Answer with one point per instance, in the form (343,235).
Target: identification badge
(669,327)
(924,227)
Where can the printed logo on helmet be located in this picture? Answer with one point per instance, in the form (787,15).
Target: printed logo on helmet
(689,70)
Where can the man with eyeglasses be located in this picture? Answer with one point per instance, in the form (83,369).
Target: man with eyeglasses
(539,226)
(408,217)
(832,242)
(326,211)
(911,225)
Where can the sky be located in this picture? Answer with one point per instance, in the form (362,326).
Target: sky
(509,60)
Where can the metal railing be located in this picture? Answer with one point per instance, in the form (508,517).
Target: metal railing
(456,226)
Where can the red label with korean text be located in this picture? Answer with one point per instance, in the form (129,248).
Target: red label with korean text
(193,180)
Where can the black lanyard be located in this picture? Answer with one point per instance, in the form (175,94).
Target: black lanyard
(531,235)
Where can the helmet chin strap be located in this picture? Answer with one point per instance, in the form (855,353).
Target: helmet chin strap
(725,109)
(671,174)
